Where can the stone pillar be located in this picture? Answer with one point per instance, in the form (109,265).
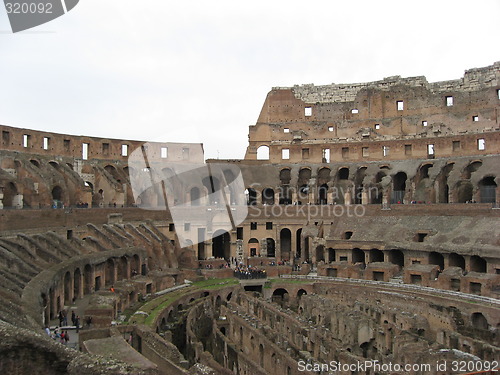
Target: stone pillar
(239,251)
(386,197)
(17,201)
(329,196)
(347,197)
(277,244)
(263,247)
(365,199)
(467,263)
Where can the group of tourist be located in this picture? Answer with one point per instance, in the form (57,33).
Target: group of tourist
(244,272)
(61,335)
(63,319)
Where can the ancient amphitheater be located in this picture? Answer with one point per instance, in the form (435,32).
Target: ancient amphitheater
(373,209)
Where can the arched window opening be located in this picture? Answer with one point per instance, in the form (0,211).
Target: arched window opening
(263,153)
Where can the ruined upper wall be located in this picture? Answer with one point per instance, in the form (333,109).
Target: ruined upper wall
(392,110)
(472,80)
(29,141)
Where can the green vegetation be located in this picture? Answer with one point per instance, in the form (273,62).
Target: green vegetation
(154,307)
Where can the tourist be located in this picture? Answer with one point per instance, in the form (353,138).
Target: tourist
(65,318)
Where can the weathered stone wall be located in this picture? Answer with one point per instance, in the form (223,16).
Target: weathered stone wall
(359,121)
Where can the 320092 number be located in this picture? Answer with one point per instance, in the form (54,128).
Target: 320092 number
(474,366)
(28,8)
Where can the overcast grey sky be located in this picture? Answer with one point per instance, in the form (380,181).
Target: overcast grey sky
(199,71)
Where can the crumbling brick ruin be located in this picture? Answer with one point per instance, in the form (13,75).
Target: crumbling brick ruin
(373,209)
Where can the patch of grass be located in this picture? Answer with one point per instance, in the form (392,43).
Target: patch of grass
(210,283)
(157,305)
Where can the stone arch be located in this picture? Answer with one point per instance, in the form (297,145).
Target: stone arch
(456,260)
(437,259)
(358,184)
(280,296)
(343,173)
(323,194)
(376,255)
(379,176)
(221,245)
(472,167)
(54,165)
(285,243)
(35,162)
(113,172)
(324,175)
(301,292)
(322,182)
(253,247)
(464,191)
(57,193)
(368,349)
(423,188)
(488,190)
(399,187)
(303,184)
(194,196)
(268,196)
(285,176)
(9,194)
(135,265)
(443,187)
(284,191)
(479,321)
(478,264)
(320,253)
(271,247)
(263,152)
(358,256)
(251,196)
(90,186)
(397,257)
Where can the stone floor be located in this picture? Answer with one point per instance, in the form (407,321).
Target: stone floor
(79,307)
